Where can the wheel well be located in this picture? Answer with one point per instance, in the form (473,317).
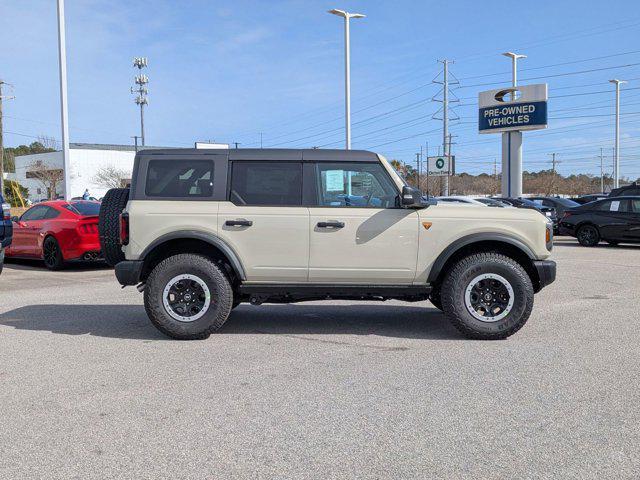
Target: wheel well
(494,246)
(189,245)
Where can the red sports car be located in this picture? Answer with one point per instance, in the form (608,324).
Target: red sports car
(57,232)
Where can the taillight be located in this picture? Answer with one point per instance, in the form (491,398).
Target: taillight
(6,211)
(124,228)
(87,228)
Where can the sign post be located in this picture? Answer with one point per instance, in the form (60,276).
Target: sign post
(510,111)
(441,166)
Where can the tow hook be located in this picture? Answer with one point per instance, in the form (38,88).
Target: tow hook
(141,287)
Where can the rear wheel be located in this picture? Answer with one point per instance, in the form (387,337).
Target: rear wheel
(487,296)
(52,254)
(111,207)
(588,236)
(188,297)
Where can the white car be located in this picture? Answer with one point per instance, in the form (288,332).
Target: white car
(479,201)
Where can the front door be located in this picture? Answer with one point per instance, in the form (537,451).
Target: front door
(25,232)
(357,233)
(265,222)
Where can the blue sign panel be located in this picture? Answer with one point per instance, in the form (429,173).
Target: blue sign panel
(513,116)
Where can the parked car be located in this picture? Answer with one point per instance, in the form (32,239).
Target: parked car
(592,197)
(202,231)
(632,189)
(6,229)
(480,201)
(614,220)
(559,204)
(57,232)
(521,202)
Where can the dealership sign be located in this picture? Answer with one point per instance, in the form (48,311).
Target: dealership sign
(499,112)
(441,166)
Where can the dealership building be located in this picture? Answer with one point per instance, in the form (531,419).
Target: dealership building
(86,160)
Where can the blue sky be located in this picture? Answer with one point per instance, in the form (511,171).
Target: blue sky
(226,71)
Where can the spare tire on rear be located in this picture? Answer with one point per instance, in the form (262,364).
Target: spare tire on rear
(112,206)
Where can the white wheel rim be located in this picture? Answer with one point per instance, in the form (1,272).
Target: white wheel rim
(188,301)
(490,306)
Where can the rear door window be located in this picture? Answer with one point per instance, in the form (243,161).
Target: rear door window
(266,183)
(179,178)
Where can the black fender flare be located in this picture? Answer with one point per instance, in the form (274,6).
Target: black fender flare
(209,238)
(446,254)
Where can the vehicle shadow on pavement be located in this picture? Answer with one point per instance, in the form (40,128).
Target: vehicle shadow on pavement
(131,322)
(38,265)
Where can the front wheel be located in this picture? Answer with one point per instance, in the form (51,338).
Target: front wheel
(487,296)
(588,236)
(188,297)
(52,254)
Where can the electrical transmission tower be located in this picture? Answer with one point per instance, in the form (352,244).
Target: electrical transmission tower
(141,81)
(445,100)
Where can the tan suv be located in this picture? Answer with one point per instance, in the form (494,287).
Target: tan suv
(201,231)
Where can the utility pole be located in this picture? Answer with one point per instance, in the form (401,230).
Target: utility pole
(601,171)
(418,168)
(2,138)
(62,64)
(141,81)
(347,70)
(236,144)
(616,165)
(135,139)
(554,162)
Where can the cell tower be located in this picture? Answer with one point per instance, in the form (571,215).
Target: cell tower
(141,91)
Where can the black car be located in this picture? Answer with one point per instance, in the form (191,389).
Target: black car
(560,204)
(592,197)
(519,202)
(632,190)
(6,229)
(614,220)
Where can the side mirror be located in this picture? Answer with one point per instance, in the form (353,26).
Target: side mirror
(412,198)
(15,219)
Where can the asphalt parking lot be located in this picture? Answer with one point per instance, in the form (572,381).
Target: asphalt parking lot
(89,389)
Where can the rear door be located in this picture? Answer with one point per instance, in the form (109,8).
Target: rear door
(264,219)
(632,230)
(612,218)
(357,232)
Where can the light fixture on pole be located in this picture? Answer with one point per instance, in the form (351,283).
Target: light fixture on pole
(514,64)
(141,82)
(62,63)
(347,70)
(616,164)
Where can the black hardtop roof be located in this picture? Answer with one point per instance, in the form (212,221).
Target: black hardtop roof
(309,154)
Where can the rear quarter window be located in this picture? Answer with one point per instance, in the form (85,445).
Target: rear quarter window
(179,179)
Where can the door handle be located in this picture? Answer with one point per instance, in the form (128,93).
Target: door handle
(330,224)
(238,223)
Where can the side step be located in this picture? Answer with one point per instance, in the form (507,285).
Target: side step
(289,293)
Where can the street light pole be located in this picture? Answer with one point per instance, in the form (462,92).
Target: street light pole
(62,61)
(347,71)
(616,164)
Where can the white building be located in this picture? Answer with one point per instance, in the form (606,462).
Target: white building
(85,161)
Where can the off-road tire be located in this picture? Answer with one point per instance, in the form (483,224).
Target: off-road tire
(217,282)
(460,276)
(52,254)
(435,297)
(588,236)
(112,206)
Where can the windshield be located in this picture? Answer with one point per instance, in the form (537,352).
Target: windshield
(85,209)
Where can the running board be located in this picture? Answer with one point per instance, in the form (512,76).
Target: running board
(258,293)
